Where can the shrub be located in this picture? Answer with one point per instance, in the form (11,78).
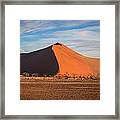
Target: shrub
(35,75)
(25,74)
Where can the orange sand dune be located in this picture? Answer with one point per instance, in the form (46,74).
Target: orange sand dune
(73,63)
(56,59)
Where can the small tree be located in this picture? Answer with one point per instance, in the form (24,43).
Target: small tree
(93,77)
(25,74)
(79,77)
(35,75)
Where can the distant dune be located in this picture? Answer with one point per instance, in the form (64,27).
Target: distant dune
(58,58)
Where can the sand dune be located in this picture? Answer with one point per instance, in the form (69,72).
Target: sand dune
(73,63)
(58,58)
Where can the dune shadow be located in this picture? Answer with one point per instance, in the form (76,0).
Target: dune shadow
(42,62)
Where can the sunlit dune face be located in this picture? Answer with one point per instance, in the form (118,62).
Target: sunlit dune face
(73,63)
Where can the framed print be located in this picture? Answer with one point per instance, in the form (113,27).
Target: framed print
(60,59)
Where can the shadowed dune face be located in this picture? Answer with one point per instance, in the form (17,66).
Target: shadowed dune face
(43,62)
(58,59)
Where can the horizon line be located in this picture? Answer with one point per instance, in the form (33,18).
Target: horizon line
(54,44)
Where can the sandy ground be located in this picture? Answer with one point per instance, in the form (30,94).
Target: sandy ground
(40,88)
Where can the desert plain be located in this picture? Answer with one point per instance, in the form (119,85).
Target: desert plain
(59,73)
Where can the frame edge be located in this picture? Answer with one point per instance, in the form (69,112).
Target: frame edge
(2,82)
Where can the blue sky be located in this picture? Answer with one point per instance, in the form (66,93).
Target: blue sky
(83,36)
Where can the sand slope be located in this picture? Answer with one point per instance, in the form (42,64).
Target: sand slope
(73,63)
(43,62)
